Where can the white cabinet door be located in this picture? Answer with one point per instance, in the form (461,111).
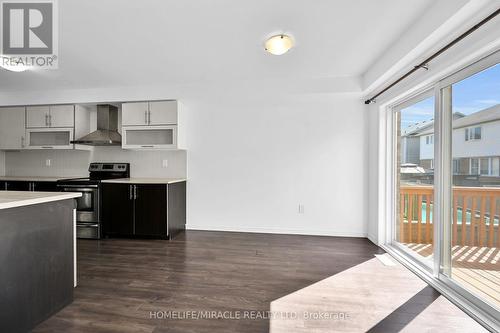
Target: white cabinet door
(12,128)
(163,113)
(49,138)
(135,114)
(62,116)
(37,116)
(149,137)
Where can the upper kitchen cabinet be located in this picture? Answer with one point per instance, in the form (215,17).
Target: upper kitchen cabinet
(149,113)
(12,128)
(55,126)
(62,116)
(153,125)
(50,116)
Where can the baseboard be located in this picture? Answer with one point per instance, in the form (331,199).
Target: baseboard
(309,232)
(373,239)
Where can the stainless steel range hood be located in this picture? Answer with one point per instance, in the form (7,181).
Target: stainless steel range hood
(107,128)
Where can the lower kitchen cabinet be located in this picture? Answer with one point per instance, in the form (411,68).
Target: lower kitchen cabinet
(44,187)
(20,185)
(15,185)
(144,210)
(151,210)
(117,209)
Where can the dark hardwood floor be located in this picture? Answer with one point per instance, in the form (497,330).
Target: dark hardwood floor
(122,283)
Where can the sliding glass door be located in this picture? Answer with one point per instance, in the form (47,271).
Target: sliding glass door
(446,183)
(473,231)
(414,177)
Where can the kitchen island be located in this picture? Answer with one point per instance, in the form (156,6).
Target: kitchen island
(37,257)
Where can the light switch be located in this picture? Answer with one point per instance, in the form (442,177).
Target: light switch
(48,162)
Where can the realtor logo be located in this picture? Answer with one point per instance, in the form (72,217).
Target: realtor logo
(29,34)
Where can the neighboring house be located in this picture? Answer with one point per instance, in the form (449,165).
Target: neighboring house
(412,143)
(476,144)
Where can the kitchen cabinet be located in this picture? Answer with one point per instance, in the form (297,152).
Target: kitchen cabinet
(144,137)
(153,125)
(12,128)
(50,116)
(149,113)
(62,116)
(49,138)
(21,185)
(15,185)
(45,187)
(117,209)
(144,210)
(150,210)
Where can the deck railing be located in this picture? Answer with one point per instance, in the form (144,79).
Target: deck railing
(475,218)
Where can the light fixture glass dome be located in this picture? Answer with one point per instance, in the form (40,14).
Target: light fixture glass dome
(279,44)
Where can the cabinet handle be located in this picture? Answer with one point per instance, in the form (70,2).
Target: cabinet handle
(146,117)
(47,147)
(131,196)
(135,191)
(22,142)
(32,187)
(46,120)
(50,120)
(149,117)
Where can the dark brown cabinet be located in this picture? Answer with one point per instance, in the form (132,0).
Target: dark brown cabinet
(143,210)
(117,209)
(15,185)
(19,185)
(151,210)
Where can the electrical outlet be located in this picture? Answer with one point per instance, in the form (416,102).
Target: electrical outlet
(164,164)
(48,162)
(301,209)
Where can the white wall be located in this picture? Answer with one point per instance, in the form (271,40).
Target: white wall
(251,164)
(75,163)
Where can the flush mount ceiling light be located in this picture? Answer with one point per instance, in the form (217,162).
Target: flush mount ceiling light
(279,44)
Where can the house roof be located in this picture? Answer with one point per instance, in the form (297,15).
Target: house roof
(480,117)
(425,127)
(416,128)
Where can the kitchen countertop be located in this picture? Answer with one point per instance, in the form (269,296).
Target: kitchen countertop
(145,180)
(12,199)
(35,178)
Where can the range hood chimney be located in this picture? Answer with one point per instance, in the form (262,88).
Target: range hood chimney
(107,128)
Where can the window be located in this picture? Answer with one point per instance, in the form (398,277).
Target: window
(485,166)
(495,166)
(473,133)
(456,166)
(429,140)
(474,166)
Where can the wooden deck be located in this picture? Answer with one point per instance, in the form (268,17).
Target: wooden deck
(476,268)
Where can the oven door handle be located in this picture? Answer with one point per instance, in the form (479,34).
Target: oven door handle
(78,187)
(87,225)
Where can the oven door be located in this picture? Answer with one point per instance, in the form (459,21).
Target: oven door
(87,206)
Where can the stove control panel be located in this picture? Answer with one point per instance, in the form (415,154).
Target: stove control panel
(108,167)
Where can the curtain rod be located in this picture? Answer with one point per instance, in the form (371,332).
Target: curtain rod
(424,64)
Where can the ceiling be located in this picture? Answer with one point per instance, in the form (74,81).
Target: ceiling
(110,43)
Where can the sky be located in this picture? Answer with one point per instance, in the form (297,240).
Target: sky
(470,95)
